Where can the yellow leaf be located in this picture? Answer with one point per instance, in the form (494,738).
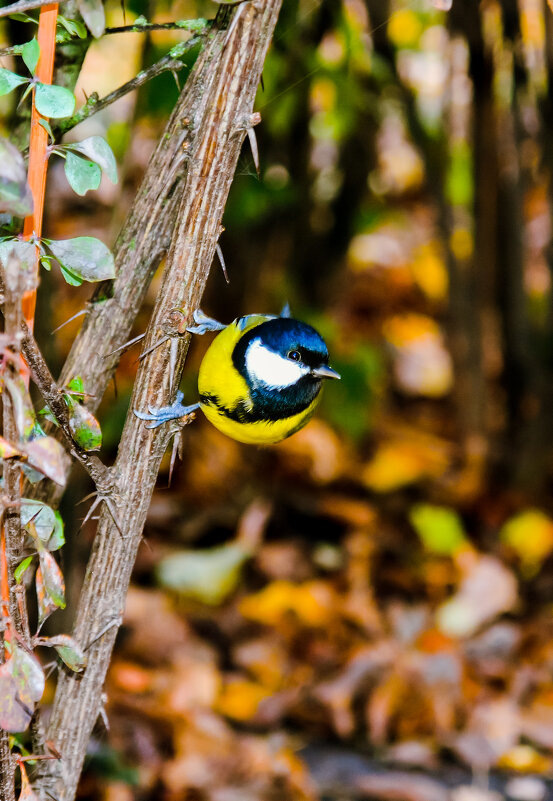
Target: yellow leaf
(312,603)
(240,698)
(429,271)
(530,534)
(405,28)
(524,758)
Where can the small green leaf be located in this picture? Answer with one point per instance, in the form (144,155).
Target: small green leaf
(81,173)
(70,277)
(68,649)
(54,101)
(92,11)
(46,523)
(21,686)
(439,528)
(48,457)
(73,26)
(47,127)
(45,604)
(15,195)
(76,385)
(97,149)
(85,428)
(85,257)
(21,568)
(22,407)
(24,18)
(30,54)
(9,81)
(54,585)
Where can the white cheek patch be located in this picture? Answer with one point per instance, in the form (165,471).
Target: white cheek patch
(266,367)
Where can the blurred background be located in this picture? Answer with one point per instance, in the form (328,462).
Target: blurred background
(363,611)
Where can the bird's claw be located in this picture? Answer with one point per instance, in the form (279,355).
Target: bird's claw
(204,323)
(163,414)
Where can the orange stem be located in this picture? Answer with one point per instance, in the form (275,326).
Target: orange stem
(38,143)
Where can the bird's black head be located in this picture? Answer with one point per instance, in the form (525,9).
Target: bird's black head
(283,361)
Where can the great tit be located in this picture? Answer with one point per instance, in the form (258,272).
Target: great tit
(260,379)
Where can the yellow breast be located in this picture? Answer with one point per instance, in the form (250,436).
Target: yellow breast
(218,379)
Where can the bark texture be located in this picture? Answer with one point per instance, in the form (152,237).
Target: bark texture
(218,111)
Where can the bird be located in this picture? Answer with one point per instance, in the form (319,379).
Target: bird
(260,379)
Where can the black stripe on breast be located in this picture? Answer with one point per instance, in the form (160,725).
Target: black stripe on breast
(270,407)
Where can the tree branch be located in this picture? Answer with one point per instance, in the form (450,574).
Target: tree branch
(22,6)
(219,97)
(93,105)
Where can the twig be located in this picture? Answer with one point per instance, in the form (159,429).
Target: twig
(53,396)
(23,5)
(93,105)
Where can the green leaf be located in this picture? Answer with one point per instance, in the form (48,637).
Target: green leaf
(85,257)
(54,101)
(54,585)
(45,604)
(15,195)
(9,81)
(22,406)
(47,523)
(76,385)
(21,568)
(23,18)
(208,576)
(439,528)
(21,687)
(97,149)
(85,428)
(68,649)
(30,53)
(81,173)
(70,277)
(48,457)
(47,127)
(92,11)
(73,26)
(25,252)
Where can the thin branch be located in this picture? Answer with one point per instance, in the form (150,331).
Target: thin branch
(93,105)
(22,6)
(53,396)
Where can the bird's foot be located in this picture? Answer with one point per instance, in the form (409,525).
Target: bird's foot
(204,323)
(157,417)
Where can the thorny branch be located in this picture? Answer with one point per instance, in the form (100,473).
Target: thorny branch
(218,97)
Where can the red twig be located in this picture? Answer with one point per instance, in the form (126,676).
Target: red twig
(38,143)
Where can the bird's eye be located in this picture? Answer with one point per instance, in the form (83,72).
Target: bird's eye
(295,355)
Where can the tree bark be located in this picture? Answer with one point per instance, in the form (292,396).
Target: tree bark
(219,110)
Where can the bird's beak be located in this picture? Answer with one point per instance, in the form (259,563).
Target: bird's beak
(325,372)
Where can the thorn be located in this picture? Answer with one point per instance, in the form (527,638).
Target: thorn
(175,75)
(79,314)
(154,346)
(125,345)
(177,449)
(262,82)
(97,502)
(253,144)
(173,354)
(222,260)
(115,621)
(234,23)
